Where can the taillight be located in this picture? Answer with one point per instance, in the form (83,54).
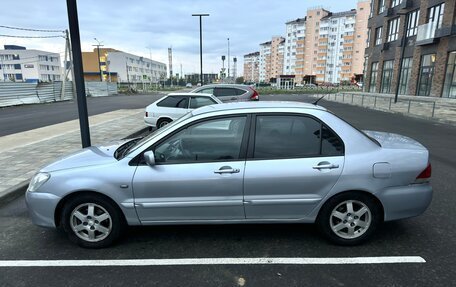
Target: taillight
(255,96)
(425,174)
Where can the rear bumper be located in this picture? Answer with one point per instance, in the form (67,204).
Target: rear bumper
(405,201)
(151,121)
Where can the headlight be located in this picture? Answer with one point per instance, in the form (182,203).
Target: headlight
(38,180)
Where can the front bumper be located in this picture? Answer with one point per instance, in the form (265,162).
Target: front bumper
(405,201)
(41,207)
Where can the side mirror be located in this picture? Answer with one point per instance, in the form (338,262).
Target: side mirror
(149,157)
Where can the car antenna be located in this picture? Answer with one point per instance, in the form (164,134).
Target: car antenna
(316,102)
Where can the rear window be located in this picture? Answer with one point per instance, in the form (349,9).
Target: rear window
(174,102)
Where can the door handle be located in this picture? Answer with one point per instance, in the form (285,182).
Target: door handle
(326,166)
(227,169)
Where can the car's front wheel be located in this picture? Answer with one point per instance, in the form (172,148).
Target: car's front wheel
(349,218)
(92,221)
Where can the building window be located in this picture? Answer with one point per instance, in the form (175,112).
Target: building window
(426,75)
(406,72)
(368,37)
(449,89)
(435,15)
(387,76)
(394,3)
(381,6)
(378,35)
(393,29)
(412,23)
(373,78)
(17,66)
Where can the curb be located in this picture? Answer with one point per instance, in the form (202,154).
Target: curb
(19,189)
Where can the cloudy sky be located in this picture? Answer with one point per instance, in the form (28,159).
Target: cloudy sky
(149,27)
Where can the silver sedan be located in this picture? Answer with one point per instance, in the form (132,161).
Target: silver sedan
(263,162)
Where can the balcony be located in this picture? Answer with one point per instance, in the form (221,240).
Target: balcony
(427,34)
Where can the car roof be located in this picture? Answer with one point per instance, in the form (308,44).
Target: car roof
(191,94)
(256,105)
(225,86)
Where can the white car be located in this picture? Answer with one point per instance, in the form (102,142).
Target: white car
(175,105)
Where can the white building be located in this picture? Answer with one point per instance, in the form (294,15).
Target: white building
(17,64)
(265,61)
(294,46)
(339,29)
(135,69)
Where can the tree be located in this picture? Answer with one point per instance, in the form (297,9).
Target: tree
(240,80)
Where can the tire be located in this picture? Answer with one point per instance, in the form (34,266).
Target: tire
(163,122)
(344,227)
(92,221)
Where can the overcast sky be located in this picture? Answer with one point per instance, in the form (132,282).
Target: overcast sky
(135,26)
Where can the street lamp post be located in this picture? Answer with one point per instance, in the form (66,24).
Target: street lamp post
(78,72)
(228,58)
(99,63)
(201,44)
(401,58)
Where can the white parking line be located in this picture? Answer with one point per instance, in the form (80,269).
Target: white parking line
(214,261)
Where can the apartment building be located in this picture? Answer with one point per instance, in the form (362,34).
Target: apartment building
(335,47)
(412,48)
(293,63)
(17,64)
(252,67)
(117,66)
(327,47)
(271,59)
(312,43)
(265,62)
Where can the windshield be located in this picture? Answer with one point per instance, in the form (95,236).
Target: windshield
(157,132)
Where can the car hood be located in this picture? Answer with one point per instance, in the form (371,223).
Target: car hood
(94,155)
(395,141)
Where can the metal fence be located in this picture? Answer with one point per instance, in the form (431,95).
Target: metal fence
(12,94)
(426,107)
(30,93)
(100,89)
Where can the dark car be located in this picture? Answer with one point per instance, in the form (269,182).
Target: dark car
(230,92)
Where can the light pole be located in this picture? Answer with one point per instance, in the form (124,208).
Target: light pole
(228,57)
(99,63)
(401,58)
(201,44)
(78,72)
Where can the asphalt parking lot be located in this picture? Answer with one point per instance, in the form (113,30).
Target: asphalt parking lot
(430,237)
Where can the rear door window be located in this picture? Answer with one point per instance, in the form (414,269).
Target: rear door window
(225,92)
(207,91)
(294,137)
(174,102)
(197,102)
(240,92)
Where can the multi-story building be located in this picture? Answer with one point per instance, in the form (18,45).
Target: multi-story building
(277,50)
(327,47)
(293,60)
(265,62)
(335,47)
(114,65)
(271,59)
(18,64)
(312,43)
(425,64)
(252,67)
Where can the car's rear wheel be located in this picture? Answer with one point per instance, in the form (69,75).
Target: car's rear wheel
(163,122)
(92,221)
(349,218)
